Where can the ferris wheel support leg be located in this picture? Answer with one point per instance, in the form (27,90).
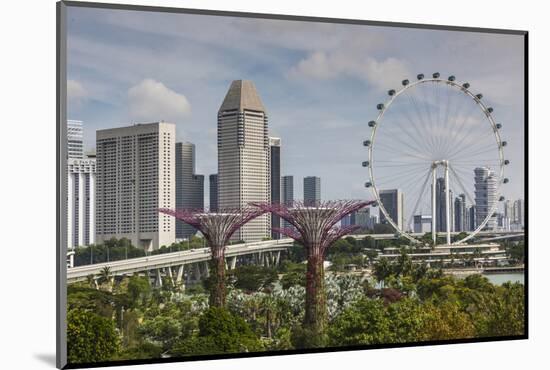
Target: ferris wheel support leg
(447,204)
(434,184)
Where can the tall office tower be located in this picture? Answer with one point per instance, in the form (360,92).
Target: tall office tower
(485,185)
(275,176)
(393,201)
(243,156)
(460,213)
(213,180)
(136,177)
(441,207)
(519,212)
(81,201)
(189,186)
(287,194)
(422,224)
(75,146)
(312,190)
(471,218)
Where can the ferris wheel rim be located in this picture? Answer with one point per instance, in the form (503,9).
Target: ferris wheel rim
(496,133)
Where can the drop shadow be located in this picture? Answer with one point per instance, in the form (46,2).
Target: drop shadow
(47,358)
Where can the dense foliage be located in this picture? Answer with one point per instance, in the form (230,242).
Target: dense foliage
(126,318)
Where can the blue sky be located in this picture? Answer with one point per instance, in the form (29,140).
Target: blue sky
(319,82)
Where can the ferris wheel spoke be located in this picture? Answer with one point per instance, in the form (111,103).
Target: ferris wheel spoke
(462,186)
(463,134)
(480,141)
(416,138)
(412,100)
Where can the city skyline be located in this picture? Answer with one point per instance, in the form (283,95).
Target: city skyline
(320,88)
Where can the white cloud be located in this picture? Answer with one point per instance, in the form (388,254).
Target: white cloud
(381,74)
(151,100)
(76,93)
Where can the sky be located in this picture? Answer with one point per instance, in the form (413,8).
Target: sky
(319,82)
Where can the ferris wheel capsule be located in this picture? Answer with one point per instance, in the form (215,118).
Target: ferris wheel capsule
(466,85)
(506,180)
(501,199)
(368,184)
(498,126)
(436,75)
(366,143)
(405,82)
(391,92)
(479,96)
(420,76)
(372,123)
(490,110)
(504,143)
(365,163)
(506,162)
(380,106)
(451,78)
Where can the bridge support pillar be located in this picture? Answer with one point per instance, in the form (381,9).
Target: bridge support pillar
(277,258)
(197,271)
(206,269)
(170,275)
(232,263)
(158,279)
(267,259)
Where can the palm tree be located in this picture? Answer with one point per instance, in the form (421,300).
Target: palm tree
(92,281)
(105,276)
(382,270)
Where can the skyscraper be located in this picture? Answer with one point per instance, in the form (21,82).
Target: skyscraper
(275,176)
(243,156)
(393,201)
(485,184)
(189,186)
(287,193)
(519,212)
(312,190)
(441,207)
(75,146)
(136,177)
(213,180)
(460,213)
(81,201)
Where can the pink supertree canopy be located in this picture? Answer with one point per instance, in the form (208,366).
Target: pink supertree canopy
(217,227)
(314,225)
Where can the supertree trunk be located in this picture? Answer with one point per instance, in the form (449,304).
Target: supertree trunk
(316,310)
(217,278)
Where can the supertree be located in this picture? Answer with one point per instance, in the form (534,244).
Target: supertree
(217,228)
(313,225)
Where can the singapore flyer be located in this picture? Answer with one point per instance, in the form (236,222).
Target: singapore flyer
(438,147)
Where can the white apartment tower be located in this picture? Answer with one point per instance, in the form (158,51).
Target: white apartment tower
(243,156)
(136,177)
(81,183)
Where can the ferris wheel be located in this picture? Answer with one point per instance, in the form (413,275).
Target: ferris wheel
(436,160)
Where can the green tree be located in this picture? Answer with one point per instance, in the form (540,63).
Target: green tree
(365,322)
(382,270)
(219,332)
(161,330)
(138,289)
(253,278)
(90,337)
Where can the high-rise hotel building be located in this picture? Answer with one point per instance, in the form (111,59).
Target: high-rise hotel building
(243,156)
(81,183)
(136,177)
